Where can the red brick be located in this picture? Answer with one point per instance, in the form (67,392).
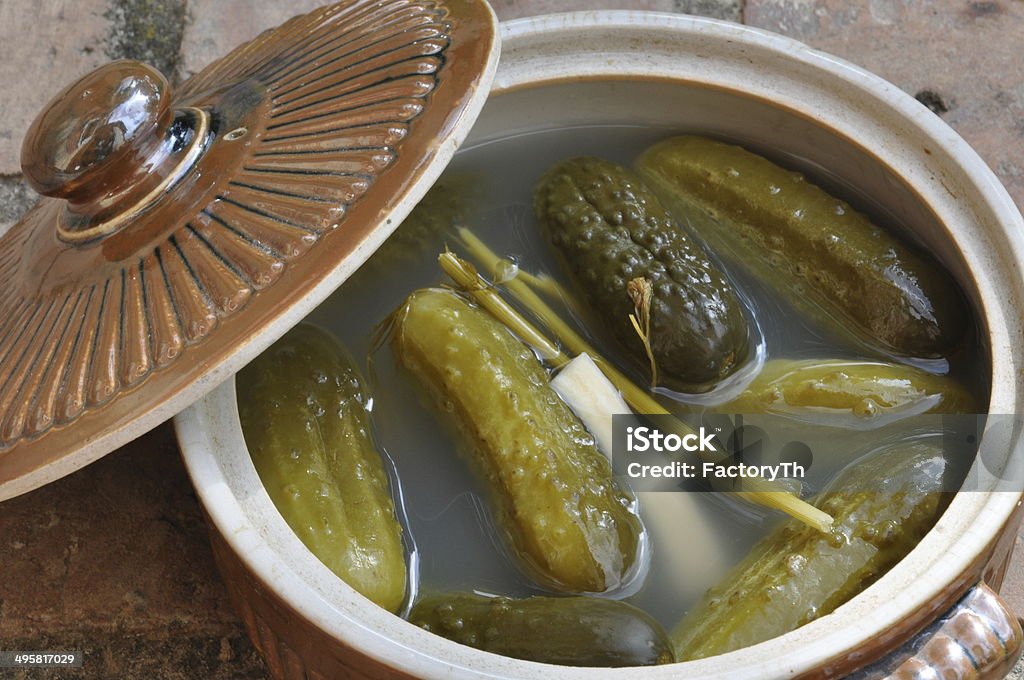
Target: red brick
(114,560)
(120,545)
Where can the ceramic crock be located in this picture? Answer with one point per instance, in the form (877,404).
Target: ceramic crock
(933,615)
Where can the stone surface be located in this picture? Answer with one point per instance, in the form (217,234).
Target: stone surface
(719,9)
(730,10)
(43,46)
(147,30)
(16,197)
(215,27)
(114,559)
(47,45)
(960,58)
(515,9)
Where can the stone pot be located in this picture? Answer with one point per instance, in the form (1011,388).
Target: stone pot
(934,614)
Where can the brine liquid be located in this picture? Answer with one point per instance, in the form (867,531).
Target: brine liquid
(695,537)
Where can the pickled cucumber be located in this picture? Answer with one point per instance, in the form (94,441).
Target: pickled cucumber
(823,256)
(448,204)
(550,489)
(302,408)
(882,508)
(610,229)
(569,631)
(861,388)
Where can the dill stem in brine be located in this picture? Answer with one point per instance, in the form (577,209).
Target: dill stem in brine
(641,292)
(469,280)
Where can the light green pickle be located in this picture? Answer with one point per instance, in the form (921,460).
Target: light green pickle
(551,491)
(820,254)
(568,631)
(302,406)
(860,388)
(882,508)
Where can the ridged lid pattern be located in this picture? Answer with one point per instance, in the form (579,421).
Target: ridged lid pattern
(270,176)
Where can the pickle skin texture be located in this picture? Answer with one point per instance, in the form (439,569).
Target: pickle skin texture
(862,388)
(609,228)
(302,408)
(446,205)
(550,490)
(882,508)
(449,204)
(823,256)
(568,631)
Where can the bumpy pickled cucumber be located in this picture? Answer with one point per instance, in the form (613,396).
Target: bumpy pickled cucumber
(448,204)
(550,489)
(302,408)
(610,229)
(569,631)
(882,508)
(861,388)
(823,256)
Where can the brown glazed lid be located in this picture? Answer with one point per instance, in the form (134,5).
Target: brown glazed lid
(185,231)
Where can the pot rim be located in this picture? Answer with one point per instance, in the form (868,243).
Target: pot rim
(948,552)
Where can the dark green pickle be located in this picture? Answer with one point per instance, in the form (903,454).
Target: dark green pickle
(882,508)
(824,257)
(610,229)
(568,631)
(302,408)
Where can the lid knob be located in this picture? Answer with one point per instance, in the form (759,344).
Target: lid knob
(92,137)
(187,227)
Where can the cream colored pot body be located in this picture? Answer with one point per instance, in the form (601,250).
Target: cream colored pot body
(768,92)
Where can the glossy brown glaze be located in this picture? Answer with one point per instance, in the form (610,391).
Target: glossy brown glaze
(183,225)
(978,638)
(84,140)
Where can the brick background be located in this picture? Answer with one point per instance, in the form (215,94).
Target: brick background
(114,559)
